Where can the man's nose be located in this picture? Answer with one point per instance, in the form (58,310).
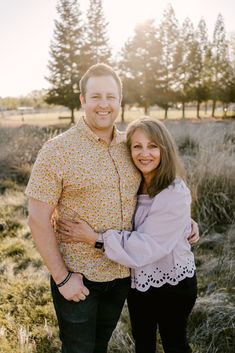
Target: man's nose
(103,102)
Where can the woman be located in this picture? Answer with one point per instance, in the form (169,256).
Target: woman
(164,285)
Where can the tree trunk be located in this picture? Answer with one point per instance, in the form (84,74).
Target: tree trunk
(72,116)
(166,111)
(225,110)
(206,108)
(183,110)
(198,110)
(213,108)
(146,108)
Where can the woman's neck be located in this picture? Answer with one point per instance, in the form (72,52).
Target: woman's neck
(146,181)
(143,188)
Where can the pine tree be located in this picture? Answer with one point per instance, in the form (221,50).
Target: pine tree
(202,89)
(188,65)
(221,69)
(231,46)
(65,63)
(168,35)
(96,48)
(140,66)
(184,63)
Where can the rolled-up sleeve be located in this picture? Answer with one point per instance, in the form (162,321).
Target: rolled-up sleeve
(165,225)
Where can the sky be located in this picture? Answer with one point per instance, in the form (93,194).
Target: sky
(26,29)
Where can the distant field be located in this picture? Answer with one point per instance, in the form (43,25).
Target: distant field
(62,117)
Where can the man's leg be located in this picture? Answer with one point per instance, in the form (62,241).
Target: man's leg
(110,305)
(77,321)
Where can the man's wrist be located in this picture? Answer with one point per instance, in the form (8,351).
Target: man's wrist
(65,280)
(60,275)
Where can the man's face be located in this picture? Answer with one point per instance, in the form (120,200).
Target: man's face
(101,103)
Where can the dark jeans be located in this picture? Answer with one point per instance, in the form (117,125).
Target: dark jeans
(86,326)
(166,308)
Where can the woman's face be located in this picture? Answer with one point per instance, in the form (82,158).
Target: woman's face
(145,153)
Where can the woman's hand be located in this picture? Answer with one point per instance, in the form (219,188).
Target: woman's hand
(194,235)
(70,231)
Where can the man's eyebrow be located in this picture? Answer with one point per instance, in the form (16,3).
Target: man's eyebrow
(99,93)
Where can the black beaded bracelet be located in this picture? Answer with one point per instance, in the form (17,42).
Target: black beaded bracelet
(65,280)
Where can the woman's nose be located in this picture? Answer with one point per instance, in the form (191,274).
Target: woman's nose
(144,151)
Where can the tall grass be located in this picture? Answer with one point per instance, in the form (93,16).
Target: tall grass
(27,319)
(208,153)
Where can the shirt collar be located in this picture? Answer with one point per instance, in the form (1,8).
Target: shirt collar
(82,125)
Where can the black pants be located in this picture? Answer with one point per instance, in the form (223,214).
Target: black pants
(166,308)
(86,326)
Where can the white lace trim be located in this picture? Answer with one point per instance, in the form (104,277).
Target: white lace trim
(155,276)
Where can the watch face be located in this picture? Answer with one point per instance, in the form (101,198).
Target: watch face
(99,245)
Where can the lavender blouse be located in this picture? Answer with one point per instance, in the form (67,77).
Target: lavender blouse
(157,251)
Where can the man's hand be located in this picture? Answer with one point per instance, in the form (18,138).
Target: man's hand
(194,235)
(74,289)
(40,214)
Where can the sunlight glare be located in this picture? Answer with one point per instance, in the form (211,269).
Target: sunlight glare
(128,13)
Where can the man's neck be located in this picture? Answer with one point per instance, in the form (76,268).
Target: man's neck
(105,135)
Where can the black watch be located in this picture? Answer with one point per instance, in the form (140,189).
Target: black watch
(99,242)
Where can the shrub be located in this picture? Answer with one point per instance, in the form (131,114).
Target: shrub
(211,325)
(214,199)
(13,249)
(9,227)
(27,316)
(7,185)
(188,145)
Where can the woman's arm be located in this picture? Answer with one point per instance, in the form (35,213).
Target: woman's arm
(72,232)
(165,225)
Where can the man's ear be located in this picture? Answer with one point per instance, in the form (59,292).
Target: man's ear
(82,99)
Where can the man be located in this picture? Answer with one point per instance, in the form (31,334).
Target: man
(85,173)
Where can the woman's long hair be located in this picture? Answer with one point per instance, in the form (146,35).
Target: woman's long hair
(170,166)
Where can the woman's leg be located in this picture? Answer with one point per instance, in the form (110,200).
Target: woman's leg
(174,306)
(141,307)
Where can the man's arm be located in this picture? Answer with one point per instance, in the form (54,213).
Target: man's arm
(43,234)
(194,236)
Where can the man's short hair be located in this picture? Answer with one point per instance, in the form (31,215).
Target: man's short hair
(96,71)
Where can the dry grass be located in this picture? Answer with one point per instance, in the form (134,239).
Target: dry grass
(27,320)
(60,116)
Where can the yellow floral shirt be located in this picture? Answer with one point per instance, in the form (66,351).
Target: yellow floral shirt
(85,178)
